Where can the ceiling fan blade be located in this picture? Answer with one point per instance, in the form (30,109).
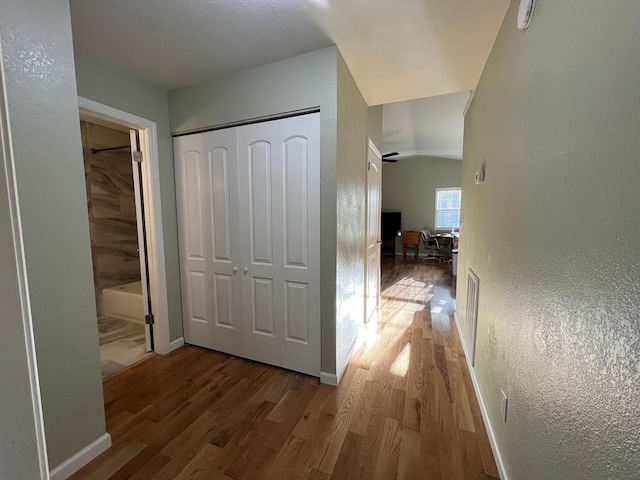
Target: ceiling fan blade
(392,154)
(389,160)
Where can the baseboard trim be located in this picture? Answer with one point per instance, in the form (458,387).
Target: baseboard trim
(483,407)
(177,343)
(329,378)
(334,378)
(80,459)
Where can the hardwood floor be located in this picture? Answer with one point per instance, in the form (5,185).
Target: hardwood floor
(405,408)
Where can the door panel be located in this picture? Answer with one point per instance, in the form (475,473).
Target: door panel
(223,300)
(198,303)
(260,197)
(193,172)
(219,181)
(262,306)
(290,186)
(295,201)
(297,312)
(374,203)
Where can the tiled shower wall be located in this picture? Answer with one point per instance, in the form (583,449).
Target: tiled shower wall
(112,209)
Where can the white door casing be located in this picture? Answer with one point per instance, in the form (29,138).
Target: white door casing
(249,210)
(374,205)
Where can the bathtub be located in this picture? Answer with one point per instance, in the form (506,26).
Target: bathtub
(124,302)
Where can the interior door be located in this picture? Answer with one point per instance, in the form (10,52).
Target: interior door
(136,159)
(208,205)
(374,204)
(279,167)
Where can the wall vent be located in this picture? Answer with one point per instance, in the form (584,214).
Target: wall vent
(471,324)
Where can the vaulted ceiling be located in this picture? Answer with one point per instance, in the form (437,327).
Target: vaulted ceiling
(396,49)
(431,126)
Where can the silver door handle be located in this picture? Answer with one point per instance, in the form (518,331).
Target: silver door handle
(379,241)
(235,269)
(246,269)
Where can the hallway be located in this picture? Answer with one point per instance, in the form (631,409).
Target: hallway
(404,409)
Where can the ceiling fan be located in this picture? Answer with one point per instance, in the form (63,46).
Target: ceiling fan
(386,157)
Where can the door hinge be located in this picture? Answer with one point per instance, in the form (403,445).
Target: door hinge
(137,156)
(149,320)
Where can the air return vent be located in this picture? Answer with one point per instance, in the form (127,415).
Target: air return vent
(471,324)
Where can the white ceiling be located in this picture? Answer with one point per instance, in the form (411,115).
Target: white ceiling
(430,126)
(395,49)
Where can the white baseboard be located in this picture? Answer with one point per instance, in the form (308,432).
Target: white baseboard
(80,459)
(329,378)
(483,407)
(334,378)
(177,343)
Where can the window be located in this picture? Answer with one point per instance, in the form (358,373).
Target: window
(448,202)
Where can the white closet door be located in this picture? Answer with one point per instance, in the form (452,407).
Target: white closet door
(279,167)
(208,211)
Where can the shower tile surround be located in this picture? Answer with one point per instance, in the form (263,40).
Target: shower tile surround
(112,210)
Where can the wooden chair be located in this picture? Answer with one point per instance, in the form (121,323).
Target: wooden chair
(410,239)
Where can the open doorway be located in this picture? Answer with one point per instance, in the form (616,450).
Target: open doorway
(118,245)
(142,134)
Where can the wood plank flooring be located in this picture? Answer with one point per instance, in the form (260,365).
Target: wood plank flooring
(405,408)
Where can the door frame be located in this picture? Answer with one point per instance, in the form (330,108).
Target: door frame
(371,324)
(148,133)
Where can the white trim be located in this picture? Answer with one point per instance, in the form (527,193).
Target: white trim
(472,94)
(329,378)
(80,459)
(435,213)
(7,157)
(153,212)
(177,343)
(483,408)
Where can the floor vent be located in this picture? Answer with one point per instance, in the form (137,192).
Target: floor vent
(471,324)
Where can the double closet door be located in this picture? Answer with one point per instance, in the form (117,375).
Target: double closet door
(249,218)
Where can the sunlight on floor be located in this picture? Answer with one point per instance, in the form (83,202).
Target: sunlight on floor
(401,364)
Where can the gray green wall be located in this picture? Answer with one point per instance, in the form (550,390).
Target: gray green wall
(104,84)
(296,83)
(45,134)
(351,177)
(554,236)
(409,186)
(20,410)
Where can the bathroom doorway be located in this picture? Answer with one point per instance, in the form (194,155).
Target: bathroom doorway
(118,245)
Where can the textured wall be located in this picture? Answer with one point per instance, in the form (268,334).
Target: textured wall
(409,186)
(19,456)
(109,86)
(554,235)
(45,133)
(111,204)
(351,175)
(304,81)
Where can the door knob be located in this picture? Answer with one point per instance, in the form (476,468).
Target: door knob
(246,269)
(235,269)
